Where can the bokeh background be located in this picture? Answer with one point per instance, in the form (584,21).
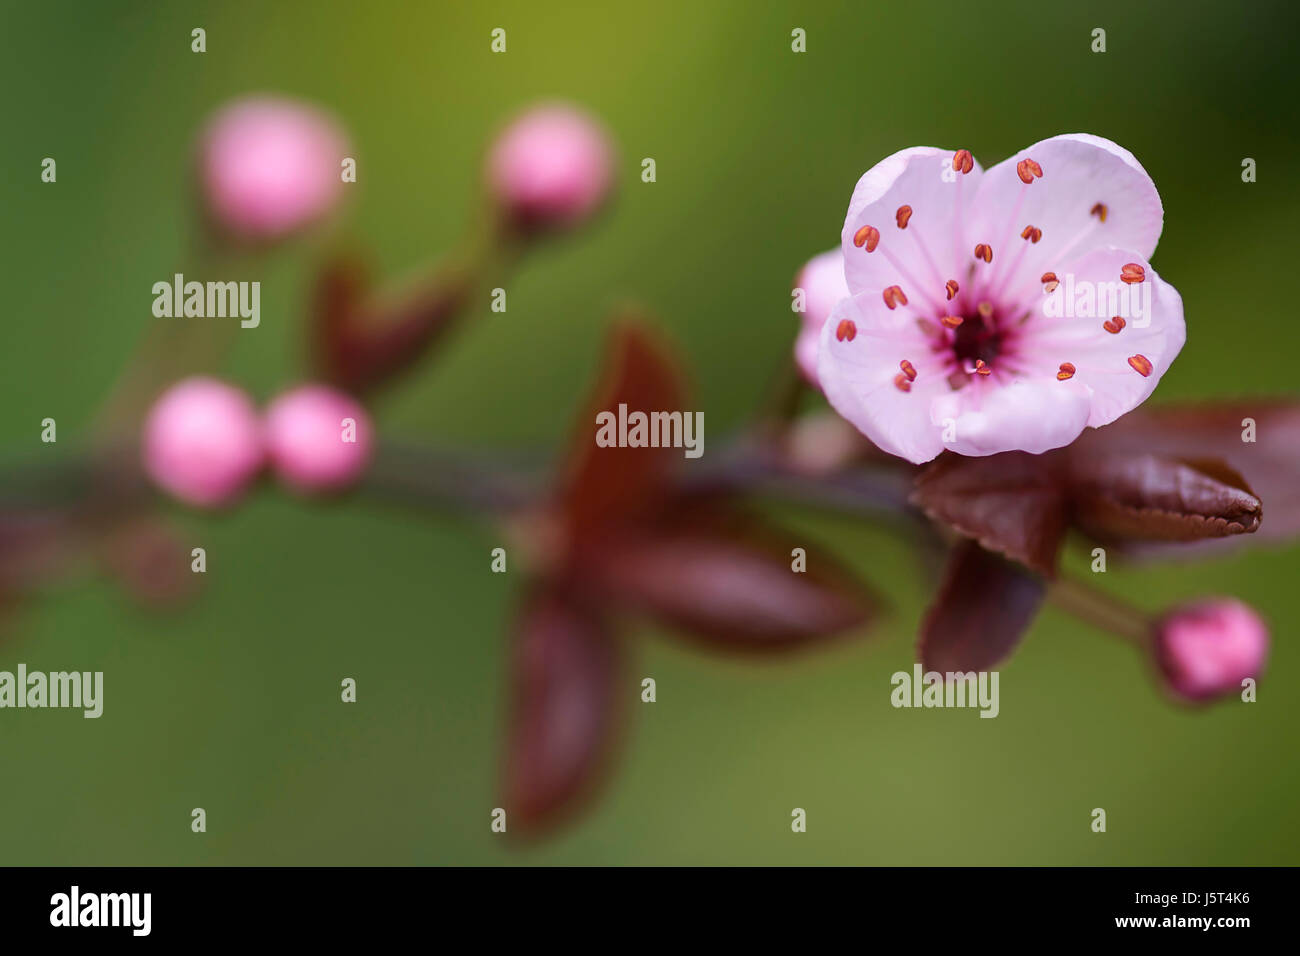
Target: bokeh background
(233,705)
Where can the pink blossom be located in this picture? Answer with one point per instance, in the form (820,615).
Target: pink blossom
(1207,649)
(822,282)
(202,442)
(270,166)
(551,167)
(318,438)
(1000,310)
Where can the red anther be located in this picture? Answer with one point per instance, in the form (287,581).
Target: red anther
(1032,233)
(981,368)
(952,321)
(1099,211)
(1027,170)
(908,369)
(952,287)
(963,161)
(894,296)
(985,309)
(984,251)
(1140,364)
(902,382)
(1066,371)
(867,236)
(846,330)
(904,213)
(1113,325)
(1131,272)
(1050,282)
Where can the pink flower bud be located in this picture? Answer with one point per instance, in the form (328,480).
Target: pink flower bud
(202,442)
(319,439)
(823,285)
(552,167)
(270,166)
(1207,649)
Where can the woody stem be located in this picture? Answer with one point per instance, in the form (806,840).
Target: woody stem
(1101,610)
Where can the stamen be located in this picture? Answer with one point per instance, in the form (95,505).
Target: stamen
(868,236)
(1140,364)
(1066,372)
(894,297)
(981,368)
(984,251)
(847,329)
(985,309)
(1131,272)
(908,369)
(952,287)
(1032,233)
(927,327)
(902,382)
(963,161)
(904,213)
(1113,325)
(1099,211)
(1028,170)
(952,321)
(1050,282)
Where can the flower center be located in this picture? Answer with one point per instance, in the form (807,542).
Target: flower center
(977,339)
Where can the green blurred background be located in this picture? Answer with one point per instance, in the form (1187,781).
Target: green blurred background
(234,705)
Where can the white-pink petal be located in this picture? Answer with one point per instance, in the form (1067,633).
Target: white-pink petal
(1069,325)
(822,282)
(929,251)
(1093,193)
(859,376)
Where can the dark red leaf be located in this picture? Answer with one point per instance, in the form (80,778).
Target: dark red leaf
(1013,503)
(612,485)
(1271,463)
(728,581)
(982,609)
(1121,497)
(362,341)
(564,710)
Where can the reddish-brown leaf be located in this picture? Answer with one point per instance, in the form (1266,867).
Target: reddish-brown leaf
(1198,432)
(1134,497)
(1013,503)
(362,341)
(980,612)
(728,581)
(612,486)
(564,710)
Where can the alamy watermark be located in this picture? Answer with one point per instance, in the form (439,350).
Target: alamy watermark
(626,429)
(35,690)
(1086,299)
(213,300)
(948,689)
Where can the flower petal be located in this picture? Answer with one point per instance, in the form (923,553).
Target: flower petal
(1119,368)
(985,418)
(823,285)
(860,376)
(923,256)
(1093,193)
